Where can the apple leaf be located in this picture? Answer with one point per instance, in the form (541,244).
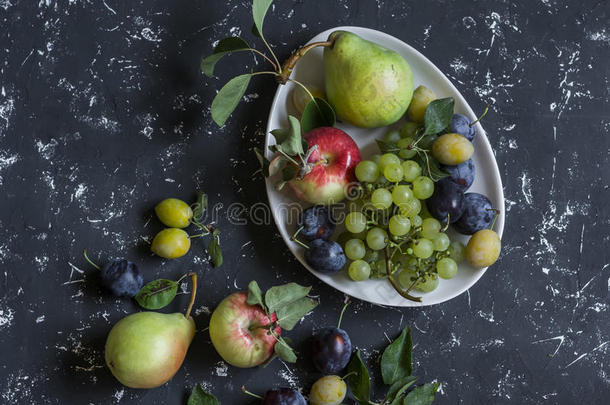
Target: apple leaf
(199,396)
(397,389)
(289,315)
(157,294)
(358,379)
(280,296)
(214,249)
(289,141)
(255,295)
(396,361)
(224,47)
(284,351)
(317,113)
(438,115)
(422,395)
(228,97)
(259,9)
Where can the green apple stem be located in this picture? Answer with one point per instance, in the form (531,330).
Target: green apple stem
(193,275)
(243,388)
(287,67)
(89,260)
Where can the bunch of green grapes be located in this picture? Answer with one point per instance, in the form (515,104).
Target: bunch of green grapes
(390,224)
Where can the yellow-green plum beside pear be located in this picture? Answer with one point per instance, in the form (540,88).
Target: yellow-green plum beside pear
(367,85)
(146,349)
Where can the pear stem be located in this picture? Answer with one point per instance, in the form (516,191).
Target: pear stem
(187,315)
(287,67)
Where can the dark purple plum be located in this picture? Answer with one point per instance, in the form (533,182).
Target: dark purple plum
(460,124)
(331,350)
(478,214)
(121,277)
(462,174)
(447,201)
(317,223)
(284,396)
(325,256)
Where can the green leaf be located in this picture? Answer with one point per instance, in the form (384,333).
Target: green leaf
(224,47)
(200,397)
(264,162)
(359,381)
(200,206)
(438,115)
(387,147)
(214,249)
(228,97)
(280,296)
(396,359)
(285,352)
(254,31)
(259,9)
(289,172)
(422,395)
(289,315)
(398,388)
(289,140)
(157,294)
(430,166)
(255,295)
(317,113)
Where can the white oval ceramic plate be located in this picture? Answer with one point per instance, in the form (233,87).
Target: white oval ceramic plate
(310,70)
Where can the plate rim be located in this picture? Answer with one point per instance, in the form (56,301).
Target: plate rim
(482,137)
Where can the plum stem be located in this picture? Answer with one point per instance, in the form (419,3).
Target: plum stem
(493,223)
(243,388)
(89,260)
(193,275)
(347,302)
(296,240)
(287,67)
(480,117)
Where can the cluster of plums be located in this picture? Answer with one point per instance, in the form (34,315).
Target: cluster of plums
(316,225)
(331,351)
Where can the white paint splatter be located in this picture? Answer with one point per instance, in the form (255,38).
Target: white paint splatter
(526,188)
(221,369)
(6,317)
(40,319)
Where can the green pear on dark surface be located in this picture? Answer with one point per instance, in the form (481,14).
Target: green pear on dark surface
(146,349)
(367,84)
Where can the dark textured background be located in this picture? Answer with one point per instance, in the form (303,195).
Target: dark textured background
(103,112)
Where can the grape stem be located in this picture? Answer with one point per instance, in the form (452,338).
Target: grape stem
(193,275)
(394,283)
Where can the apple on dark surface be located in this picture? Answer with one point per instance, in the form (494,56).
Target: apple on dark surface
(333,163)
(240,332)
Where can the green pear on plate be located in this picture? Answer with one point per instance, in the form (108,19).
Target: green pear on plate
(367,84)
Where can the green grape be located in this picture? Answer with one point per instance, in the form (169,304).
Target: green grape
(446,268)
(375,158)
(404,143)
(392,136)
(441,242)
(393,172)
(425,213)
(410,208)
(423,248)
(452,149)
(406,278)
(381,180)
(381,267)
(355,249)
(387,159)
(371,256)
(405,151)
(355,222)
(401,194)
(410,170)
(457,251)
(399,225)
(428,284)
(376,238)
(423,187)
(381,198)
(359,270)
(409,129)
(416,221)
(367,171)
(430,228)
